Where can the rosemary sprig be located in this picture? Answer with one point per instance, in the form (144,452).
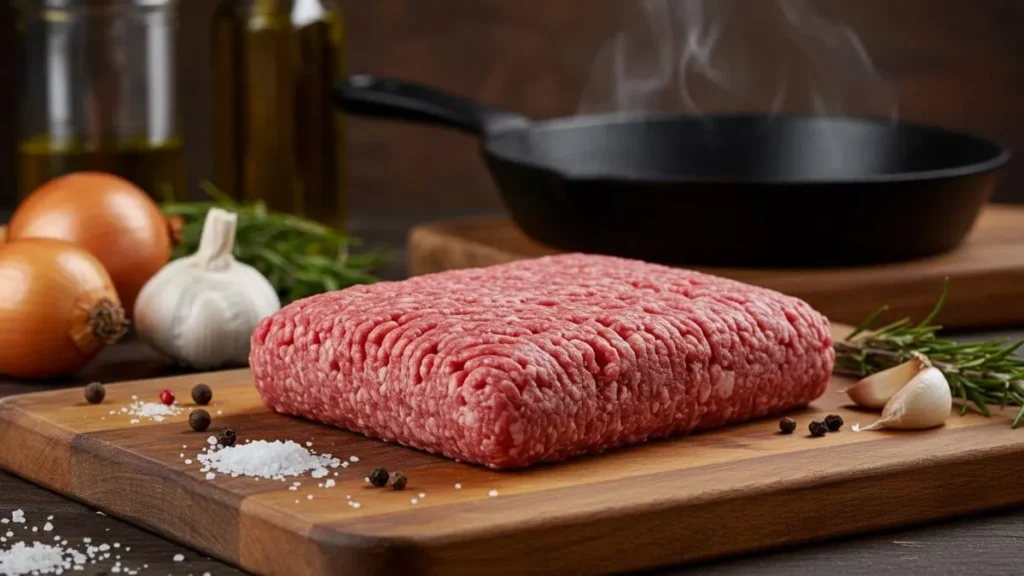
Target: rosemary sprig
(980,373)
(298,256)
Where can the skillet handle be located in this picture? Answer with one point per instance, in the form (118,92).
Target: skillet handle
(389,98)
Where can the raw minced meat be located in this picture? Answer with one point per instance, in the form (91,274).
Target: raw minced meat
(543,359)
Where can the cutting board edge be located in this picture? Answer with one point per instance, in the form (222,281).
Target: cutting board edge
(446,550)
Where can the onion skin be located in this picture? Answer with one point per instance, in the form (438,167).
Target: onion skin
(58,308)
(108,216)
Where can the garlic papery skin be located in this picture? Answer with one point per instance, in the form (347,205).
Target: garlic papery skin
(201,309)
(925,402)
(874,391)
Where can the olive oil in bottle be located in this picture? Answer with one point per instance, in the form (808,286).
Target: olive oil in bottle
(97,81)
(276,136)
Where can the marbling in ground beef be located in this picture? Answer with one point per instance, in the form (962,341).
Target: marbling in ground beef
(542,359)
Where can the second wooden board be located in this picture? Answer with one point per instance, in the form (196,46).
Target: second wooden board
(987,273)
(729,491)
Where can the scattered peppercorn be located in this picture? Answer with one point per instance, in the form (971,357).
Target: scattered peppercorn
(199,420)
(166,397)
(226,437)
(95,393)
(817,428)
(834,422)
(398,480)
(379,477)
(202,394)
(787,425)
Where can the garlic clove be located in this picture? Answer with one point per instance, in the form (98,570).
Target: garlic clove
(874,391)
(925,402)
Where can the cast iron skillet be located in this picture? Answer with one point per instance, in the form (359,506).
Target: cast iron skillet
(720,190)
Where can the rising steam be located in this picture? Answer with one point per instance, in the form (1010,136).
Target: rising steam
(737,56)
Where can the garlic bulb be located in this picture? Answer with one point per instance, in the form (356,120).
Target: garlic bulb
(202,309)
(924,402)
(875,390)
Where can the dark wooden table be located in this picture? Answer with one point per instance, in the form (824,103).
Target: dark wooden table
(986,544)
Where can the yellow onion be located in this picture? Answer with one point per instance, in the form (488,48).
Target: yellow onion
(58,308)
(108,216)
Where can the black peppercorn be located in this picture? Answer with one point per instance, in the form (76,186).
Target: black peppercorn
(202,394)
(379,477)
(834,422)
(226,437)
(95,393)
(199,420)
(398,480)
(787,425)
(817,428)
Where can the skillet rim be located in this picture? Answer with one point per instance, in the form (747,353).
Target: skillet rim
(999,155)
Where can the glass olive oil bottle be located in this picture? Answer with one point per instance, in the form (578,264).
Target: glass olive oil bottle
(276,135)
(97,82)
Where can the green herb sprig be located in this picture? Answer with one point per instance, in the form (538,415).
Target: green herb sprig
(980,373)
(298,256)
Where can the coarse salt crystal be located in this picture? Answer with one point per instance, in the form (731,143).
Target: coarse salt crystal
(133,421)
(414,501)
(104,547)
(219,412)
(309,496)
(35,528)
(293,488)
(423,494)
(10,534)
(117,544)
(458,486)
(188,460)
(179,557)
(50,517)
(354,458)
(492,493)
(329,484)
(210,475)
(181,455)
(319,473)
(134,397)
(309,444)
(4,521)
(212,440)
(48,527)
(87,540)
(356,504)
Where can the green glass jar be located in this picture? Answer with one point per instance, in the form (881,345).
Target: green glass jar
(276,135)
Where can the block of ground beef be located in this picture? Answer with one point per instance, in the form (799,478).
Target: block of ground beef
(540,360)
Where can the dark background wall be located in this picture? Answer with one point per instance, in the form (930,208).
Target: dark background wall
(951,62)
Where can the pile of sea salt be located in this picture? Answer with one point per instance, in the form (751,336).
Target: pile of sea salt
(154,411)
(57,558)
(38,558)
(263,459)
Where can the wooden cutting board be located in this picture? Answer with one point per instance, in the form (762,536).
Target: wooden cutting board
(987,272)
(735,490)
